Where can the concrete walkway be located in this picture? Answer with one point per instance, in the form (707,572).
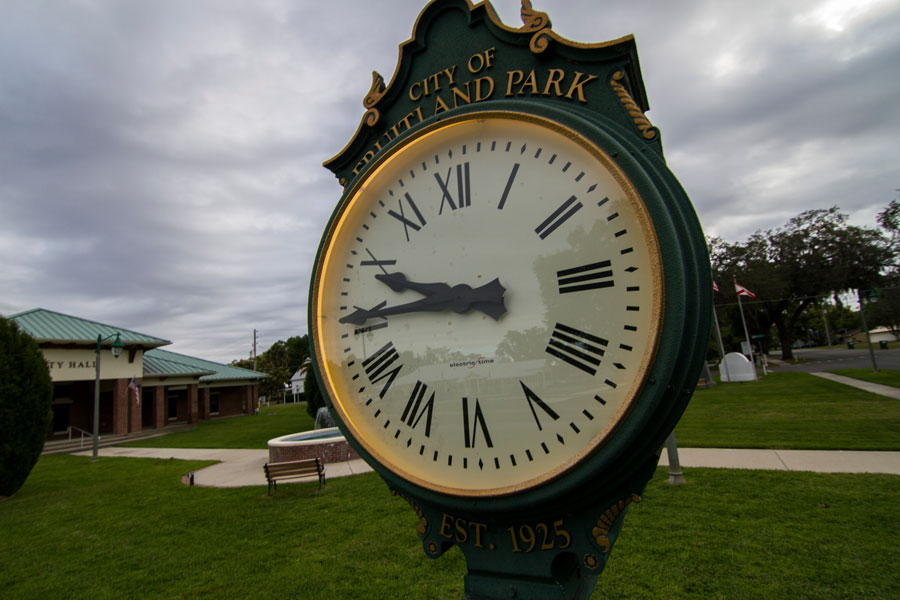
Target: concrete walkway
(238,468)
(820,461)
(875,388)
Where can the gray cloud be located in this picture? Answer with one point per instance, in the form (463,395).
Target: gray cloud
(160,162)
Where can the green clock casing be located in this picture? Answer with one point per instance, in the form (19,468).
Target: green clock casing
(496,305)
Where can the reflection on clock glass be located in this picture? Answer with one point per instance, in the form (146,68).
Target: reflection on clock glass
(487,304)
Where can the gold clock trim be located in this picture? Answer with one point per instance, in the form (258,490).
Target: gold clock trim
(354,196)
(637,115)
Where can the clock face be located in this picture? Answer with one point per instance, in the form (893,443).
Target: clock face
(487,303)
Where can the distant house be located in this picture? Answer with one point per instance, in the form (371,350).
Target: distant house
(169,388)
(297,380)
(881,334)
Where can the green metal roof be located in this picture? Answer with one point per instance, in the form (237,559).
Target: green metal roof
(216,371)
(156,365)
(49,326)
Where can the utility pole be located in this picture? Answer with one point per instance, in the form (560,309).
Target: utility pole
(254,349)
(862,312)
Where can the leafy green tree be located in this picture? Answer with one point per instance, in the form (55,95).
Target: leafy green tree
(314,399)
(814,255)
(280,361)
(297,352)
(886,312)
(26,392)
(811,325)
(889,219)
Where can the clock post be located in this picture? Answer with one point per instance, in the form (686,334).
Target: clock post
(510,305)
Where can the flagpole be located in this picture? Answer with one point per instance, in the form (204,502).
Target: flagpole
(746,333)
(721,345)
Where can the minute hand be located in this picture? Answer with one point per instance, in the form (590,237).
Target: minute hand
(459,298)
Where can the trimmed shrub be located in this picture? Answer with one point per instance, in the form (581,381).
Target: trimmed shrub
(314,399)
(26,392)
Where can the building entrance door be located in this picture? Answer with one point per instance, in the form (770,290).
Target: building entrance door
(61,418)
(148,403)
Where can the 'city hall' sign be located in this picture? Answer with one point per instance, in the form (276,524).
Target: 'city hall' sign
(510,305)
(77,364)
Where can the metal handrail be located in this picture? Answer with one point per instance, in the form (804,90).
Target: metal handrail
(83,433)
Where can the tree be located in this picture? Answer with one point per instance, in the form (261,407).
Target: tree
(314,399)
(280,361)
(814,255)
(26,392)
(889,219)
(886,312)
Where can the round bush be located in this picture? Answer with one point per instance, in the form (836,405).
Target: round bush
(26,392)
(313,395)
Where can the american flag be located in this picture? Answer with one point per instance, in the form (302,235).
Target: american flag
(132,385)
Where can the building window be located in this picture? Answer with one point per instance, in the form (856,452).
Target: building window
(214,403)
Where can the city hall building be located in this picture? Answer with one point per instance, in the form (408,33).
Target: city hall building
(145,387)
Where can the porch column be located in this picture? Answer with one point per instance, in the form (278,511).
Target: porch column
(159,407)
(204,403)
(193,402)
(120,406)
(134,408)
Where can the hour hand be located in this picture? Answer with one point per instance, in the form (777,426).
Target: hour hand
(398,283)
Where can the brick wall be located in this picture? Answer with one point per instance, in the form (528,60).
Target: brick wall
(120,406)
(329,452)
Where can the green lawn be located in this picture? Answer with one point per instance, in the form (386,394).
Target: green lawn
(884,376)
(782,410)
(790,410)
(126,528)
(246,431)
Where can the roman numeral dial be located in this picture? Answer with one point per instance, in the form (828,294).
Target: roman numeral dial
(486,303)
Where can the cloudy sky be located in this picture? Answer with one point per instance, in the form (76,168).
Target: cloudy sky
(160,161)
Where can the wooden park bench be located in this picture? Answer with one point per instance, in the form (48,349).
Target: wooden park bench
(294,469)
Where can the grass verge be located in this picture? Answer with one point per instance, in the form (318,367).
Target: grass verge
(790,410)
(245,431)
(126,528)
(884,376)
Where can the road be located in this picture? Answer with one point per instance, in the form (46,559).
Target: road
(821,359)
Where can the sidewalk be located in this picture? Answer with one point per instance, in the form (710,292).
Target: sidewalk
(820,461)
(875,388)
(238,468)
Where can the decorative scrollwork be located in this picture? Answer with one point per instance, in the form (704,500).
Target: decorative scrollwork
(422,527)
(538,22)
(534,20)
(605,523)
(540,41)
(637,115)
(376,93)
